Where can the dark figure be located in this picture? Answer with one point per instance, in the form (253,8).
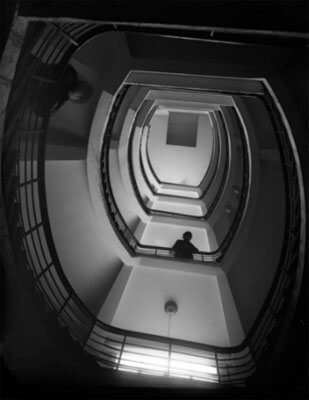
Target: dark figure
(66,87)
(184,248)
(70,88)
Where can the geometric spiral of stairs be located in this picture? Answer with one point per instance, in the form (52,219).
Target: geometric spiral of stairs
(96,194)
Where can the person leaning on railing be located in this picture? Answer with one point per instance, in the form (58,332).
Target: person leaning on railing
(70,88)
(64,86)
(184,248)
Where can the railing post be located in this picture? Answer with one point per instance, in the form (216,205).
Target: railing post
(89,333)
(218,368)
(64,303)
(169,358)
(121,351)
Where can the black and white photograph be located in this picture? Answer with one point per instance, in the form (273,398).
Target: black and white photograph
(154,199)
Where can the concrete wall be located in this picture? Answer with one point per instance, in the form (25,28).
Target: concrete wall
(85,251)
(200,316)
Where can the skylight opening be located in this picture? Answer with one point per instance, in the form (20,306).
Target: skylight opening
(182,129)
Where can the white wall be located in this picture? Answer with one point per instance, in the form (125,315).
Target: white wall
(199,318)
(69,127)
(87,256)
(254,255)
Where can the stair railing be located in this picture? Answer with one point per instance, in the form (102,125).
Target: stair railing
(34,249)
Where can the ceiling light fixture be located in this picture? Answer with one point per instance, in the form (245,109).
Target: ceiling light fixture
(168,362)
(170,308)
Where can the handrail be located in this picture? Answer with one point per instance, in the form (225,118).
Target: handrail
(212,159)
(127,237)
(143,171)
(32,242)
(149,211)
(242,197)
(141,163)
(174,184)
(124,233)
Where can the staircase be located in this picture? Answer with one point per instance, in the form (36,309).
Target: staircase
(94,217)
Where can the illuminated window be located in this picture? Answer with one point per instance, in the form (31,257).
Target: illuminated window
(161,362)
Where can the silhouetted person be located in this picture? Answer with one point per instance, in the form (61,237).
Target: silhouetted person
(70,88)
(184,248)
(67,87)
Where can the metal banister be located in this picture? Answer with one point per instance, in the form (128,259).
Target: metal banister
(133,246)
(34,249)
